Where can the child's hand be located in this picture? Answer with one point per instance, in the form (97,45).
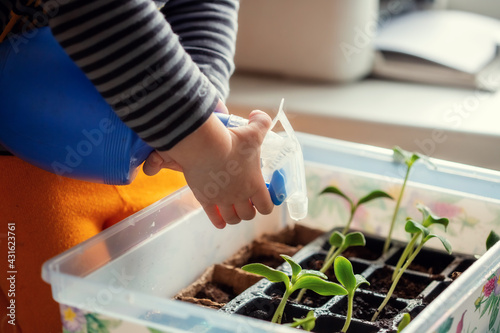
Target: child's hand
(222,168)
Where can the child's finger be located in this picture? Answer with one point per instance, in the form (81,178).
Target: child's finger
(228,214)
(262,201)
(261,121)
(152,165)
(214,216)
(245,210)
(155,162)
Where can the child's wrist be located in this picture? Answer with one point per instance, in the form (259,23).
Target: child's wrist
(210,141)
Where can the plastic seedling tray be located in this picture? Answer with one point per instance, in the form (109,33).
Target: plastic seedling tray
(128,275)
(259,301)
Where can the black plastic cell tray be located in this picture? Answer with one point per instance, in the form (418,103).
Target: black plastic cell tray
(261,300)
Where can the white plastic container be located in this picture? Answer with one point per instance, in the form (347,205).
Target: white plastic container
(127,275)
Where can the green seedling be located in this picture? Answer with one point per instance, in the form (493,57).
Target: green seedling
(414,228)
(491,240)
(409,159)
(493,237)
(338,244)
(404,322)
(351,282)
(301,278)
(307,323)
(354,206)
(428,219)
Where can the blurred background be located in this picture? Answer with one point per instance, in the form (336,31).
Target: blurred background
(420,74)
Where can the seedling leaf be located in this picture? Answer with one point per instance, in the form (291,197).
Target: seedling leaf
(414,227)
(295,267)
(320,286)
(269,273)
(413,159)
(309,322)
(373,195)
(354,239)
(401,155)
(404,322)
(337,239)
(493,237)
(429,218)
(432,219)
(443,240)
(310,272)
(335,190)
(360,279)
(344,272)
(306,323)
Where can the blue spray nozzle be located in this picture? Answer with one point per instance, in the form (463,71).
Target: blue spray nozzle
(277,187)
(223,117)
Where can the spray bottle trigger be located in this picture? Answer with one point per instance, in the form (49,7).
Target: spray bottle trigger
(277,188)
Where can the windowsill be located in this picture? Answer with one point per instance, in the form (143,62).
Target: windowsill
(455,124)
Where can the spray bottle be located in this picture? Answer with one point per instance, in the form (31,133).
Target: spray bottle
(53,117)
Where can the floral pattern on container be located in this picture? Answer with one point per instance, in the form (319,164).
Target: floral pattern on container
(476,214)
(488,304)
(480,313)
(75,320)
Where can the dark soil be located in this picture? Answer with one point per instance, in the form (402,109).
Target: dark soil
(428,261)
(310,298)
(365,307)
(361,252)
(262,251)
(316,264)
(371,251)
(422,269)
(461,268)
(216,292)
(409,286)
(270,261)
(264,309)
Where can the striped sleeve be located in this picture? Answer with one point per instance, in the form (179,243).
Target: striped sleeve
(207,31)
(130,53)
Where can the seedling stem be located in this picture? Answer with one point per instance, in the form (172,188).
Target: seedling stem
(409,159)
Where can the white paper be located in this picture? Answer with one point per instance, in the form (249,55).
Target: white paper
(460,40)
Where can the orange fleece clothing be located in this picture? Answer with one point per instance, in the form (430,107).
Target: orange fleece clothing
(51,214)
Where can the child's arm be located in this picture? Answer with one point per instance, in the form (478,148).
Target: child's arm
(131,54)
(165,88)
(207,31)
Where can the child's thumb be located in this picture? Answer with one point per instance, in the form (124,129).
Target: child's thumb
(261,121)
